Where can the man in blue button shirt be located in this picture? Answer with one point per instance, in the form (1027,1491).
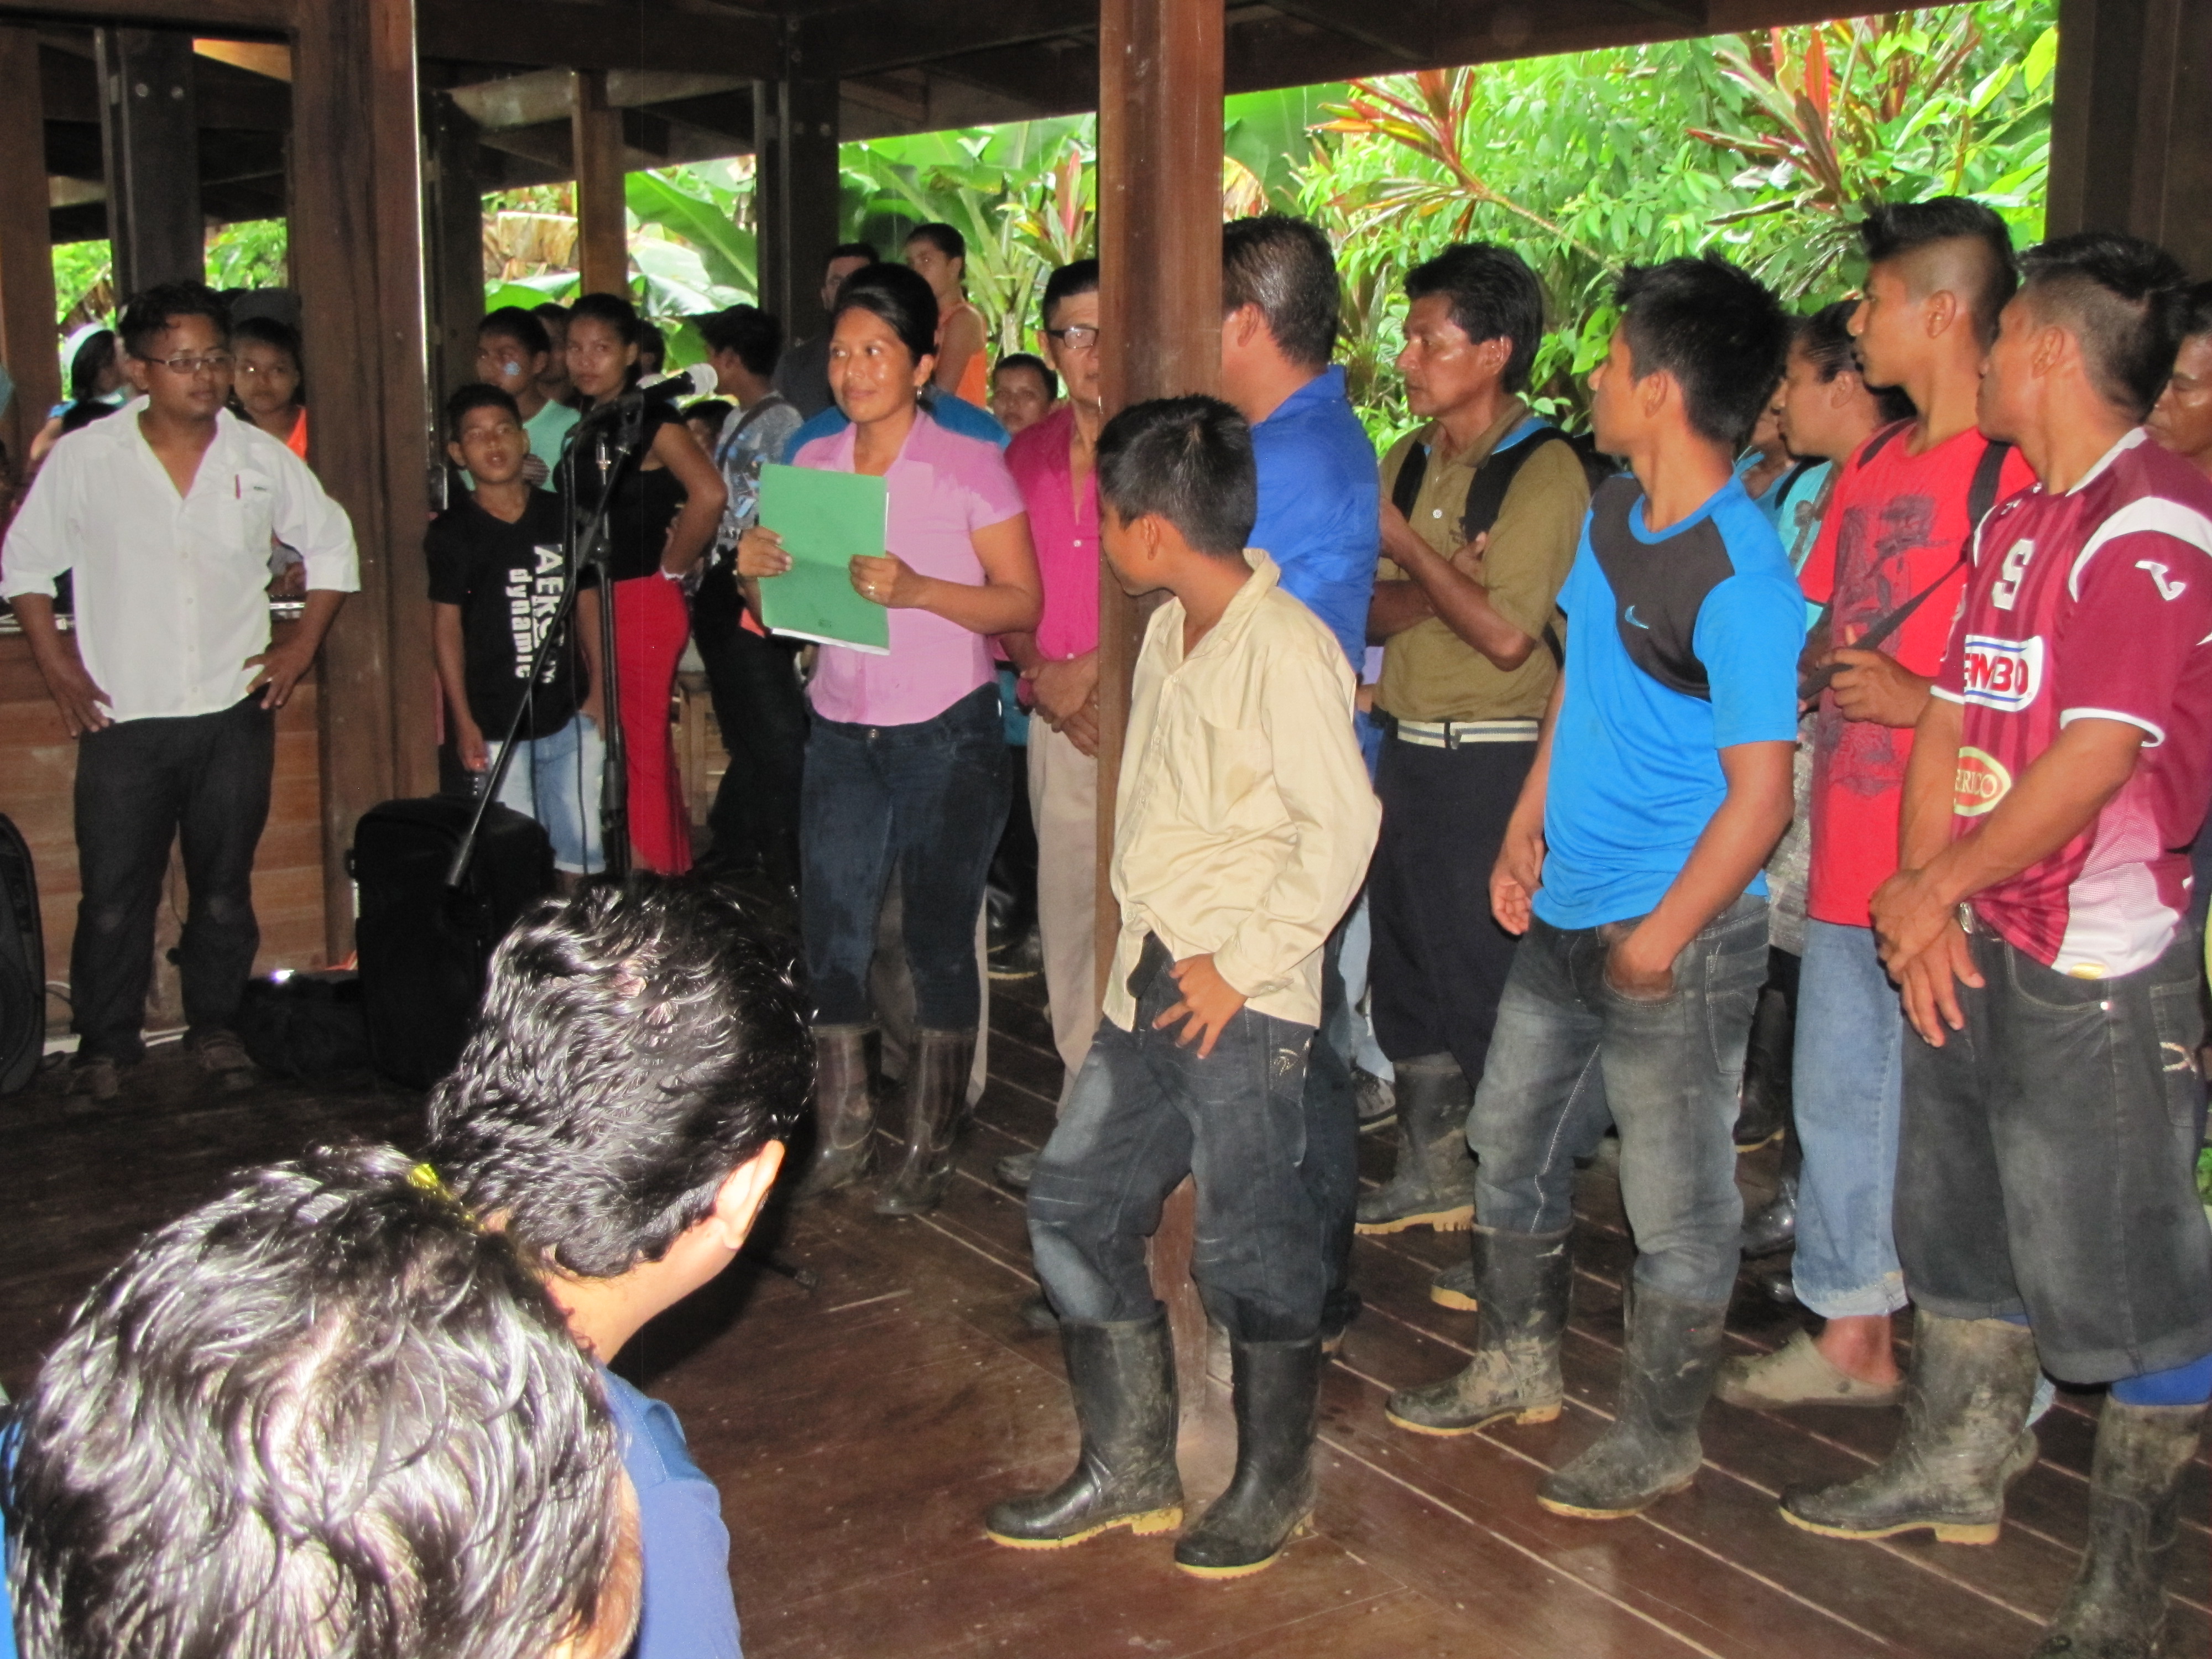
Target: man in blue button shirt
(1320,521)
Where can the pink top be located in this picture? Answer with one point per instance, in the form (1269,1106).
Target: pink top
(1065,532)
(944,488)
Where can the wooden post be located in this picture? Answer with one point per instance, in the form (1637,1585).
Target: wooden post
(149,132)
(28,345)
(453,243)
(357,259)
(602,214)
(795,197)
(1159,251)
(2130,126)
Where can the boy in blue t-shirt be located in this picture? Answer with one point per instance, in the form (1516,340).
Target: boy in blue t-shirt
(619,1114)
(1631,870)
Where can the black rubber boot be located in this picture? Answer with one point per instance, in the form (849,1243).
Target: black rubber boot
(1966,1400)
(1123,1379)
(1521,1282)
(936,1108)
(1772,1227)
(1765,1106)
(1276,1387)
(1433,1185)
(1666,1370)
(845,1062)
(2116,1609)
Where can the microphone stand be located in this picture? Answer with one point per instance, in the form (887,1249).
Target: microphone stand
(584,543)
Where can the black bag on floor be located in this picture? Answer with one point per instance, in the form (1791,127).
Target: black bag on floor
(424,947)
(22,963)
(305,1026)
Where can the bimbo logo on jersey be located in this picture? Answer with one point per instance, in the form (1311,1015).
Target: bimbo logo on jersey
(1979,784)
(2004,673)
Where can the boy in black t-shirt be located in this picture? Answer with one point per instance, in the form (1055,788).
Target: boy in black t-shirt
(497,571)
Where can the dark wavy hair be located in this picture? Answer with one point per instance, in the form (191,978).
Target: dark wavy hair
(1494,294)
(151,311)
(1717,329)
(325,1415)
(901,297)
(638,1042)
(2124,298)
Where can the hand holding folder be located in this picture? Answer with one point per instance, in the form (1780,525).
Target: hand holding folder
(823,520)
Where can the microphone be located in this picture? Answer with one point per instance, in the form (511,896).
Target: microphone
(699,381)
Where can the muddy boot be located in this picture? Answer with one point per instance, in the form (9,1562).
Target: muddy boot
(845,1059)
(1433,1185)
(1772,1227)
(1123,1378)
(1666,1370)
(1764,1105)
(1276,1388)
(1966,1400)
(1521,1283)
(936,1108)
(2116,1609)
(1455,1286)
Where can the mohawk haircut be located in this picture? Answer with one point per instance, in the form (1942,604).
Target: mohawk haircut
(1892,230)
(2123,298)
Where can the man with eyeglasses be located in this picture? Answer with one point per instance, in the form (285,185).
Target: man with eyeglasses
(1052,462)
(164,515)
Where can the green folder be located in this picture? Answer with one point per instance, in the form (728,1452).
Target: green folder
(826,519)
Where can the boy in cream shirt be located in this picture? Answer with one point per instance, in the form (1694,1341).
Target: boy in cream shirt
(1241,830)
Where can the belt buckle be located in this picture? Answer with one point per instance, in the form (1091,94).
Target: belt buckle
(1964,915)
(1451,733)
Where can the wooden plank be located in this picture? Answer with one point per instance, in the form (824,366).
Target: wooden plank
(453,266)
(602,216)
(795,130)
(267,18)
(356,241)
(582,34)
(26,262)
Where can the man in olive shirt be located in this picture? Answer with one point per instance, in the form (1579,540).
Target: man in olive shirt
(1481,512)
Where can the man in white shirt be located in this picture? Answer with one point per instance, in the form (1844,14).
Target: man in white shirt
(164,512)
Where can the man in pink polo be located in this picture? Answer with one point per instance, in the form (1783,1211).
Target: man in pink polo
(1051,462)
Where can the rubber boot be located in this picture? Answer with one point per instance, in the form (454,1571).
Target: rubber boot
(936,1108)
(1123,1378)
(2116,1609)
(1772,1227)
(1276,1388)
(1666,1370)
(1966,1400)
(1433,1185)
(1766,1100)
(845,1062)
(1521,1283)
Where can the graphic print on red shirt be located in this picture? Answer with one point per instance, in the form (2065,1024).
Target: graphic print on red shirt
(1896,523)
(2095,604)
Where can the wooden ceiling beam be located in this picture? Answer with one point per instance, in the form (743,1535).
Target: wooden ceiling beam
(574,34)
(269,19)
(889,36)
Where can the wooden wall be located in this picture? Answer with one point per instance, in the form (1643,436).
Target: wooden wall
(38,772)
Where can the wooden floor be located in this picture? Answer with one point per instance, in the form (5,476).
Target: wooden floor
(857,1430)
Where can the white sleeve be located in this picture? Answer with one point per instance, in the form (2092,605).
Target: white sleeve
(42,539)
(310,522)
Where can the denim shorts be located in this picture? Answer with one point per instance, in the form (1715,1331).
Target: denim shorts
(555,780)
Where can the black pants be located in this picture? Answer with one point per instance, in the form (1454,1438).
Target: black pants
(1439,959)
(763,713)
(141,785)
(2046,1163)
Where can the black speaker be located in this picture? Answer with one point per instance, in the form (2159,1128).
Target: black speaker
(22,963)
(424,947)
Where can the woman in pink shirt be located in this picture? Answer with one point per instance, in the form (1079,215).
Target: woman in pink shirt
(906,764)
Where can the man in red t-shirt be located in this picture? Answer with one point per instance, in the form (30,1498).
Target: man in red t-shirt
(2046,1209)
(1889,563)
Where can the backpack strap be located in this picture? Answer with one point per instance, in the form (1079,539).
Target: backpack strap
(1406,488)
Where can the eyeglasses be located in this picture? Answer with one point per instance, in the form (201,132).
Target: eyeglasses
(1080,338)
(213,363)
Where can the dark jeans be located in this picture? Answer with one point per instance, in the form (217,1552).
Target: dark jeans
(930,799)
(2046,1163)
(140,784)
(763,713)
(1570,1052)
(1145,1112)
(1330,1167)
(1440,961)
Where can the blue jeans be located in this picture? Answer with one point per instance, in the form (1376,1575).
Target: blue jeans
(930,798)
(556,780)
(1145,1112)
(1849,1071)
(1570,1052)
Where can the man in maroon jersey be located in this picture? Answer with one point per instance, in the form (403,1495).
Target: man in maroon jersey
(2045,1206)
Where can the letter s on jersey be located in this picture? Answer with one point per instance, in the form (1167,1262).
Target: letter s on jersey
(2003,674)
